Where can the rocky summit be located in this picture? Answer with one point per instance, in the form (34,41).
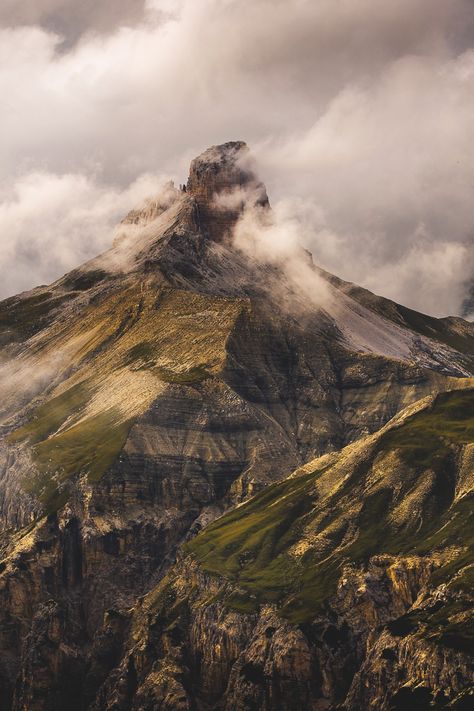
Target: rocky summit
(229,479)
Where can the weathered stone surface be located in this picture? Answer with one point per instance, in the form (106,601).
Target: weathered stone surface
(224,173)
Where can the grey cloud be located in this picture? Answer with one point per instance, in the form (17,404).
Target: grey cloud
(360,112)
(71,19)
(468,303)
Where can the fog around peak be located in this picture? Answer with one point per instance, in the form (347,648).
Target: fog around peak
(359,113)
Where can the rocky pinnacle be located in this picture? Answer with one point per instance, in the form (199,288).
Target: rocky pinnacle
(222,180)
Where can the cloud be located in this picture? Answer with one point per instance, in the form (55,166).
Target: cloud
(51,223)
(274,237)
(71,19)
(391,199)
(360,112)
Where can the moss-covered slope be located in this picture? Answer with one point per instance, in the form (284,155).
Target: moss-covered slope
(347,585)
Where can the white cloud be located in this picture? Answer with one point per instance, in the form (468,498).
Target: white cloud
(385,178)
(51,223)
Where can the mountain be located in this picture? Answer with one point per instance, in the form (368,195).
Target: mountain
(348,585)
(156,387)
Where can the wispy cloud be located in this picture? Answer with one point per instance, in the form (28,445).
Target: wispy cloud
(51,223)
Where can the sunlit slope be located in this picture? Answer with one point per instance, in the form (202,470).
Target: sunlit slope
(82,369)
(406,491)
(114,360)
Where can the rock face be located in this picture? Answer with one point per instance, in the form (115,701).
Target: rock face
(222,182)
(343,587)
(148,392)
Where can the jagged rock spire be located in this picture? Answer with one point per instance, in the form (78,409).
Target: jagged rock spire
(222,180)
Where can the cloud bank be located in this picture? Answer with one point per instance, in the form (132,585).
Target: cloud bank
(360,112)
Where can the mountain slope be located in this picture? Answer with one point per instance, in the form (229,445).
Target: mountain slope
(157,386)
(175,304)
(350,582)
(454,332)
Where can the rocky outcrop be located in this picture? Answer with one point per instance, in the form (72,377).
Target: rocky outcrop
(153,207)
(189,650)
(222,181)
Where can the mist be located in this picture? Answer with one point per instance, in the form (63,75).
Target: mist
(51,223)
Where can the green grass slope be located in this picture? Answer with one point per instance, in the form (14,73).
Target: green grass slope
(397,492)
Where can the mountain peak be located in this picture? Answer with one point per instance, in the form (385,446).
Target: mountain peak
(222,180)
(219,168)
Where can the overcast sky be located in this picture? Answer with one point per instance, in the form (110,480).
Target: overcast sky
(360,113)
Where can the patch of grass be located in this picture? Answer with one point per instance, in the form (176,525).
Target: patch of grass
(249,545)
(90,447)
(81,280)
(253,534)
(47,418)
(424,439)
(241,602)
(372,525)
(317,583)
(464,580)
(457,635)
(144,352)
